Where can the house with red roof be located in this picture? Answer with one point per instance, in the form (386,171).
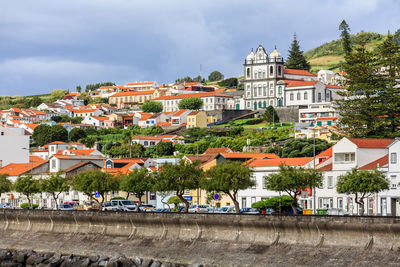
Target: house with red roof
(363,154)
(87,112)
(101,122)
(179,117)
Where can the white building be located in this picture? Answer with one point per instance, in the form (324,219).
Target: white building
(211,101)
(14,146)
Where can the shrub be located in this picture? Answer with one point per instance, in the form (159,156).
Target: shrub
(118,198)
(26,206)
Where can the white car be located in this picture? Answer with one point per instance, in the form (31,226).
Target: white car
(124,205)
(226,209)
(336,211)
(198,209)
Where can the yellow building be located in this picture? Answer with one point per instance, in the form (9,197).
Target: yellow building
(127,99)
(196,119)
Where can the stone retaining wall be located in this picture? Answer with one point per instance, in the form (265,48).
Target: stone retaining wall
(210,239)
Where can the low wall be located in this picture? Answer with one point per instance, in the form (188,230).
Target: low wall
(214,239)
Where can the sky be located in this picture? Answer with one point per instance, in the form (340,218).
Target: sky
(47,44)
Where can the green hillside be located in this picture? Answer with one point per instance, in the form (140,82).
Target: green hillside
(330,55)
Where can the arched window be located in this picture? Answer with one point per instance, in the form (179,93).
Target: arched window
(255,75)
(255,91)
(260,104)
(298,96)
(319,97)
(146,143)
(291,96)
(305,96)
(259,90)
(265,104)
(259,74)
(280,90)
(264,74)
(271,70)
(265,90)
(248,72)
(279,70)
(280,102)
(271,103)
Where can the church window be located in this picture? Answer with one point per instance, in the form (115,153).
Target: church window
(305,96)
(271,70)
(279,70)
(260,104)
(265,104)
(248,72)
(280,90)
(291,96)
(298,96)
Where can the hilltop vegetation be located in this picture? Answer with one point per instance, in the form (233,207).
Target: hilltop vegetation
(331,55)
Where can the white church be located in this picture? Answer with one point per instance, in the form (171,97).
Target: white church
(268,83)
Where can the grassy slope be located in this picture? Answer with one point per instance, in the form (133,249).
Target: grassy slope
(330,55)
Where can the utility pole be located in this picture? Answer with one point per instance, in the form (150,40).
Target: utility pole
(314,198)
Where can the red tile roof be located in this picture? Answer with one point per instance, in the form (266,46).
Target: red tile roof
(326,153)
(101,118)
(144,118)
(191,95)
(299,83)
(325,168)
(373,165)
(85,110)
(371,142)
(180,112)
(333,86)
(130,93)
(80,152)
(280,161)
(244,155)
(140,83)
(14,169)
(298,72)
(164,124)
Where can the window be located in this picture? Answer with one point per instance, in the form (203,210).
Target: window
(319,97)
(265,90)
(146,143)
(255,91)
(279,70)
(152,143)
(305,96)
(393,158)
(53,163)
(291,96)
(244,202)
(271,70)
(340,203)
(325,203)
(330,182)
(152,196)
(2,133)
(298,96)
(259,90)
(248,72)
(255,75)
(265,104)
(271,92)
(344,157)
(248,104)
(271,103)
(253,200)
(255,182)
(279,89)
(393,183)
(260,104)
(264,74)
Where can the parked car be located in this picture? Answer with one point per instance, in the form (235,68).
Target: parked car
(226,209)
(250,211)
(198,209)
(88,205)
(146,207)
(65,207)
(5,206)
(336,211)
(107,206)
(124,205)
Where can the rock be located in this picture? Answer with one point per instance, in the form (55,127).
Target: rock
(103,262)
(113,263)
(155,264)
(94,258)
(20,257)
(138,261)
(30,260)
(116,256)
(146,262)
(85,263)
(196,265)
(125,262)
(166,264)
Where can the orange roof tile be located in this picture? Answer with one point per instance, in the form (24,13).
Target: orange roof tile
(164,124)
(371,142)
(327,119)
(217,150)
(14,169)
(79,152)
(31,125)
(245,155)
(298,72)
(57,143)
(191,95)
(299,83)
(333,86)
(280,161)
(85,110)
(190,83)
(325,168)
(140,83)
(144,118)
(101,118)
(374,164)
(180,112)
(326,153)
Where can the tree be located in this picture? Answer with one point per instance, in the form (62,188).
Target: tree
(92,87)
(91,181)
(41,134)
(362,183)
(270,115)
(78,88)
(76,133)
(296,59)
(164,149)
(192,103)
(5,184)
(292,180)
(179,178)
(215,76)
(396,37)
(345,34)
(152,106)
(228,177)
(28,186)
(358,107)
(88,141)
(76,120)
(138,182)
(58,133)
(176,201)
(388,54)
(54,185)
(58,94)
(300,147)
(184,79)
(229,83)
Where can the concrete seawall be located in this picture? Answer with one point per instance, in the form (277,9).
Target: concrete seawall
(214,239)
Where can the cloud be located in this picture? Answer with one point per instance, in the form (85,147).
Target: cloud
(58,44)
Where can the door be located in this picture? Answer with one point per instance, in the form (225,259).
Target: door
(393,206)
(237,106)
(383,207)
(255,105)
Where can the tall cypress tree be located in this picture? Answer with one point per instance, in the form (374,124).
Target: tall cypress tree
(296,59)
(389,61)
(345,34)
(360,106)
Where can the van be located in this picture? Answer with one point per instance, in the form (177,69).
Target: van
(123,205)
